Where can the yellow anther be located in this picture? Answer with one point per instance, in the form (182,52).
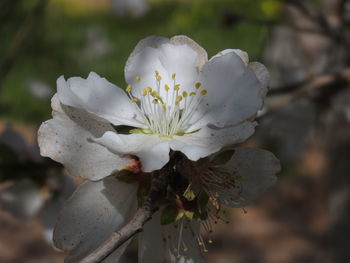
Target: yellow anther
(205,250)
(175,249)
(144,92)
(177,87)
(154,94)
(128,89)
(166,87)
(178,99)
(159,78)
(185,94)
(173,76)
(200,244)
(149,89)
(185,249)
(157,73)
(193,93)
(155,101)
(198,85)
(134,99)
(203,92)
(210,241)
(138,78)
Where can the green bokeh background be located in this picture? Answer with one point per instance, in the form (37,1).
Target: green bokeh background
(58,43)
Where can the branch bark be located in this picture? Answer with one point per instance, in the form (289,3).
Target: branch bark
(285,95)
(160,181)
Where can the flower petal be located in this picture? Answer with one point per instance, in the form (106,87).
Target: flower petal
(179,55)
(210,140)
(256,168)
(151,242)
(152,151)
(91,214)
(242,54)
(65,139)
(234,93)
(193,254)
(100,97)
(262,74)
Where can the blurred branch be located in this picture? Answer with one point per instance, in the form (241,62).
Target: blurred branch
(287,94)
(160,181)
(19,39)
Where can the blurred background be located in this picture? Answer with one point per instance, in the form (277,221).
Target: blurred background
(304,43)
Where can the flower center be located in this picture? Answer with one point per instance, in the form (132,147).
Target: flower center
(167,109)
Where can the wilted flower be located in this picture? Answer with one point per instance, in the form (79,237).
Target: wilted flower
(175,99)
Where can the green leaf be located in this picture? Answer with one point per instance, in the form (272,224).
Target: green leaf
(169,215)
(126,177)
(189,214)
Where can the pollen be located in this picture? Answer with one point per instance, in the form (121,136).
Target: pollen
(166,87)
(178,99)
(138,78)
(134,99)
(198,85)
(154,94)
(159,77)
(204,92)
(184,94)
(177,87)
(144,92)
(193,93)
(129,88)
(173,76)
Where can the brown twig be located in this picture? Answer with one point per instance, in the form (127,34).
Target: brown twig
(160,181)
(280,97)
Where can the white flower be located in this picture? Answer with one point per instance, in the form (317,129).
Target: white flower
(175,100)
(96,209)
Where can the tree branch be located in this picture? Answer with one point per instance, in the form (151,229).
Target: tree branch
(160,181)
(285,95)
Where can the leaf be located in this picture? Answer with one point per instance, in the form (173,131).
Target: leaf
(169,215)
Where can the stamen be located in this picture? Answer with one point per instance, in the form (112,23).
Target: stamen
(184,94)
(134,99)
(178,99)
(177,87)
(138,78)
(166,87)
(128,89)
(204,92)
(173,76)
(198,85)
(144,92)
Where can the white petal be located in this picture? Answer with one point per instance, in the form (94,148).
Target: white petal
(179,55)
(64,187)
(262,74)
(242,54)
(152,151)
(209,140)
(194,254)
(100,97)
(93,212)
(233,92)
(23,199)
(151,242)
(66,139)
(257,168)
